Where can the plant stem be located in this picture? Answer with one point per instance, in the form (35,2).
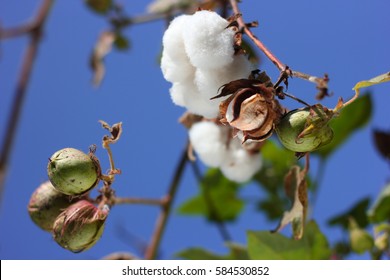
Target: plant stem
(34,29)
(166,207)
(321,82)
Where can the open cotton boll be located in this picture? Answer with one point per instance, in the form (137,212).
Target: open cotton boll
(209,81)
(240,68)
(207,41)
(208,140)
(176,70)
(173,43)
(239,165)
(187,95)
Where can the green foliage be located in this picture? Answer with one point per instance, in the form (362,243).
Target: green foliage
(380,211)
(277,162)
(358,212)
(351,118)
(218,198)
(121,42)
(263,245)
(99,6)
(252,54)
(361,241)
(382,143)
(237,252)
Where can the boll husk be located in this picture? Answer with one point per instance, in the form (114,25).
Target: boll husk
(73,172)
(251,108)
(80,226)
(306,129)
(46,203)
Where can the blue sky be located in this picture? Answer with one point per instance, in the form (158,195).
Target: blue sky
(346,39)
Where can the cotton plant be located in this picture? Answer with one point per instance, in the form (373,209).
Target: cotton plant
(199,56)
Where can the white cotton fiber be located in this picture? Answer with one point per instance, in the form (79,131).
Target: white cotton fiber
(209,81)
(207,41)
(208,141)
(198,57)
(176,70)
(186,93)
(239,165)
(173,43)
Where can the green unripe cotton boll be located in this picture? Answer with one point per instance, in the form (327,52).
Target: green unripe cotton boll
(46,204)
(80,226)
(293,132)
(73,172)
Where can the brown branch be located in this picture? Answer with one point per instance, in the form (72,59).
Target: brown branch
(162,220)
(17,31)
(322,83)
(35,32)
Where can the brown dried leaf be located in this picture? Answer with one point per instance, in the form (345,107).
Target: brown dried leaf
(102,48)
(296,189)
(115,130)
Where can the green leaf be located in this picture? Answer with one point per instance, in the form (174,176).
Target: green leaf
(198,254)
(351,118)
(358,212)
(99,6)
(237,252)
(382,236)
(276,164)
(373,81)
(382,143)
(361,240)
(252,53)
(218,199)
(121,43)
(380,211)
(263,245)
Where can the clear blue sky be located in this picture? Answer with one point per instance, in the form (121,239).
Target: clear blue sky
(346,39)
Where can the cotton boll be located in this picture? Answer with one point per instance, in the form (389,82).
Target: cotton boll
(176,70)
(240,68)
(239,165)
(187,95)
(173,43)
(209,81)
(177,95)
(208,141)
(207,41)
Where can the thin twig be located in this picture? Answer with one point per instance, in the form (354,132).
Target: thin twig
(137,200)
(162,220)
(20,91)
(17,31)
(320,82)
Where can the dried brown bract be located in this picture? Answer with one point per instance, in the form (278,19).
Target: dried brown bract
(251,108)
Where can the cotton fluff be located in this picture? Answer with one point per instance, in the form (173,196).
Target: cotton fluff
(239,165)
(208,141)
(175,64)
(208,43)
(213,145)
(191,100)
(198,58)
